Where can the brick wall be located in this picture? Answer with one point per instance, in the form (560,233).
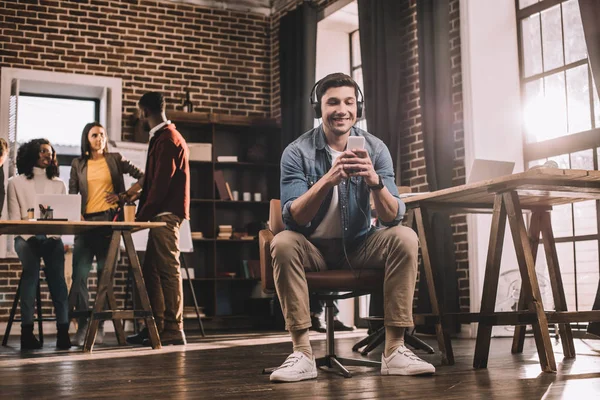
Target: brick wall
(412,151)
(222,56)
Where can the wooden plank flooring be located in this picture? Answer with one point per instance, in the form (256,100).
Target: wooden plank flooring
(229,367)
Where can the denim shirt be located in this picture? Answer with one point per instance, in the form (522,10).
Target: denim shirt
(306,160)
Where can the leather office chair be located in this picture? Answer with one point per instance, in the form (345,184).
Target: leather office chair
(344,282)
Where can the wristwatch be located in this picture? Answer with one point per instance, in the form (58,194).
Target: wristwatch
(379,186)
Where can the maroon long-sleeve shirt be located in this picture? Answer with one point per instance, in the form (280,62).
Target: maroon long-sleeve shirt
(167,177)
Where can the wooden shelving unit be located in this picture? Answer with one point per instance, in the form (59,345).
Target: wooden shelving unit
(228,298)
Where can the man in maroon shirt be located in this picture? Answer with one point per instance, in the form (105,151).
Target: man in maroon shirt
(165,197)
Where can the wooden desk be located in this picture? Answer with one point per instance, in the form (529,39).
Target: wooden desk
(537,190)
(105,293)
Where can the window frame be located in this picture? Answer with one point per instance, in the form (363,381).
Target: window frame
(569,143)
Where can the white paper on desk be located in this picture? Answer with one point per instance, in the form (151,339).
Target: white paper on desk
(412,194)
(140,239)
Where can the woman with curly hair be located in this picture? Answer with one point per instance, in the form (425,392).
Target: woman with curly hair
(98,176)
(38,174)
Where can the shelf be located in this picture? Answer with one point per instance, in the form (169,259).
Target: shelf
(225,240)
(233,202)
(204,118)
(225,279)
(245,164)
(238,202)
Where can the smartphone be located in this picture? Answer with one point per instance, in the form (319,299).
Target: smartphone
(356,142)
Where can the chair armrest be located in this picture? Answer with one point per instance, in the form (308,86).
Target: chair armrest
(265,237)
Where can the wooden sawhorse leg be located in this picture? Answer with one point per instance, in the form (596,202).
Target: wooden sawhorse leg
(524,298)
(140,286)
(544,225)
(420,216)
(490,282)
(105,295)
(507,204)
(529,281)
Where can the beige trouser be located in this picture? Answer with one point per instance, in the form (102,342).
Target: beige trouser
(162,273)
(395,249)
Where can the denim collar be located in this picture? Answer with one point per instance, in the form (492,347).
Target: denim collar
(319,138)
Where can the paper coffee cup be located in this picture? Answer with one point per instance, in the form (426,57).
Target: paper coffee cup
(129,212)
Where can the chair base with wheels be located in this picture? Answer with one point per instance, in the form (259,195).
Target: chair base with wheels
(330,359)
(374,339)
(39,319)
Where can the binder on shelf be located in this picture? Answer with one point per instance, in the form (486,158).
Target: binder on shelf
(246,269)
(221,185)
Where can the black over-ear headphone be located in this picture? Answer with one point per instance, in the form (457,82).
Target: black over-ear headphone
(316,103)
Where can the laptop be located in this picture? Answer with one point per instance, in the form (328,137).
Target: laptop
(64,206)
(483,170)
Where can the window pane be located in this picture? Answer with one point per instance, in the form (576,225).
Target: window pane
(585,218)
(534,163)
(578,99)
(356,60)
(533,110)
(526,3)
(64,173)
(552,38)
(532,46)
(562,161)
(587,273)
(575,48)
(554,112)
(583,160)
(596,107)
(567,272)
(562,222)
(57,119)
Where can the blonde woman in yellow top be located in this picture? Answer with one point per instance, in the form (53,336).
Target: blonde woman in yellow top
(98,176)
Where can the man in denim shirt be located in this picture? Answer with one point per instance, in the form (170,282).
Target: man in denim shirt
(325,189)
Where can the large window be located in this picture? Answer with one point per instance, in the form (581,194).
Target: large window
(562,123)
(58,119)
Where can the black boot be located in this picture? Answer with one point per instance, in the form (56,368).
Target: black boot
(28,339)
(63,342)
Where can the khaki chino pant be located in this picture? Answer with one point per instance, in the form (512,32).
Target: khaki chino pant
(394,249)
(162,273)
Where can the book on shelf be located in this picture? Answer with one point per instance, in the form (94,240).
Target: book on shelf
(225,232)
(229,190)
(197,235)
(221,185)
(227,158)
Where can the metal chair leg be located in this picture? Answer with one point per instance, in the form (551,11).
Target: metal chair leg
(40,317)
(191,283)
(11,317)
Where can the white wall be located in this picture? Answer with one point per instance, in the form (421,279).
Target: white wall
(492,116)
(333,52)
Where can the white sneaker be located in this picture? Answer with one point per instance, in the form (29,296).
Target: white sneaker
(404,362)
(297,367)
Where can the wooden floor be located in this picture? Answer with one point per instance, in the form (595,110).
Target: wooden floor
(229,366)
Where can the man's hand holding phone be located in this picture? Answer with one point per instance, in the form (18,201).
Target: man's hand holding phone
(357,162)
